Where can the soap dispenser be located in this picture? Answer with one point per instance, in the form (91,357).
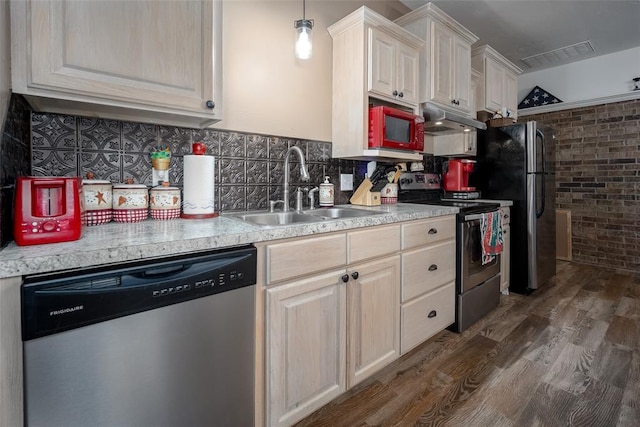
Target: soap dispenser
(326,193)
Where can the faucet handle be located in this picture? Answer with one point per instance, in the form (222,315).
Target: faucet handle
(273,203)
(312,198)
(299,191)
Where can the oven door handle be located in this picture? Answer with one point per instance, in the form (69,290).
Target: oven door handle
(477,216)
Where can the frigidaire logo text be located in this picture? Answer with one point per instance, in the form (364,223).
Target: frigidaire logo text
(66,310)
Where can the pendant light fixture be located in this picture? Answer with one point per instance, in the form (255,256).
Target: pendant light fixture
(304,47)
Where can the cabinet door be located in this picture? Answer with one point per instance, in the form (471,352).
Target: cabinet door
(470,140)
(493,85)
(408,73)
(145,52)
(462,75)
(441,64)
(374,317)
(305,346)
(510,90)
(382,65)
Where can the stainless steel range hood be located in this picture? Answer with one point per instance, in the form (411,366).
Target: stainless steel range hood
(441,122)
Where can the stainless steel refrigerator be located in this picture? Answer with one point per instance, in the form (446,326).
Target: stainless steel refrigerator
(517,162)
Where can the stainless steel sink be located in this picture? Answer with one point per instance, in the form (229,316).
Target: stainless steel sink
(337,213)
(275,218)
(299,217)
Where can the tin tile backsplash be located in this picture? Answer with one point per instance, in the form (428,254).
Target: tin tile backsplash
(14,160)
(249,167)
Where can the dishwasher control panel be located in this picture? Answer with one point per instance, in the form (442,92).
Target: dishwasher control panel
(59,302)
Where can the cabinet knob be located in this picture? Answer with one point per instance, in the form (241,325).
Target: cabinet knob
(210,104)
(401,94)
(432,314)
(355,275)
(395,93)
(433,267)
(345,278)
(433,231)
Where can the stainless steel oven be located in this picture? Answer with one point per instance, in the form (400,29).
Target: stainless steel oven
(472,271)
(478,285)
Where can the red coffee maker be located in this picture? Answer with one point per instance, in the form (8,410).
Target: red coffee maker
(456,175)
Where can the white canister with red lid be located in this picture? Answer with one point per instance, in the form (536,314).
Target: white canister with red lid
(98,200)
(165,202)
(130,202)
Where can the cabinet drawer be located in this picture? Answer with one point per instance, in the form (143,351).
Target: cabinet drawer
(373,242)
(305,256)
(427,268)
(417,326)
(424,232)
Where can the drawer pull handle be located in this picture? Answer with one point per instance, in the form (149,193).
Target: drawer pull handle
(432,314)
(505,216)
(433,267)
(355,275)
(433,231)
(345,278)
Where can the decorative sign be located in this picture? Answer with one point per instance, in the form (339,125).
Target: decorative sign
(536,98)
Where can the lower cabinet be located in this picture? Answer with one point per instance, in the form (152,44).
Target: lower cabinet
(427,315)
(335,313)
(327,333)
(373,296)
(306,346)
(428,280)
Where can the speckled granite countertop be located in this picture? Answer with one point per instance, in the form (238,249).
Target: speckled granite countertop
(114,242)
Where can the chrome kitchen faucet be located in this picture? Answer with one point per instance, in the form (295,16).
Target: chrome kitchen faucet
(304,174)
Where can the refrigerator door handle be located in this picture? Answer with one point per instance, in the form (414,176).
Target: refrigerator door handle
(542,174)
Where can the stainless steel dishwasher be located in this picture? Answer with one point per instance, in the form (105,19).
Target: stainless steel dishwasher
(168,342)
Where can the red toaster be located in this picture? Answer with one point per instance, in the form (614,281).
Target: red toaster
(47,210)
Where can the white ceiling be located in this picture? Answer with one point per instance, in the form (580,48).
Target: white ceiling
(522,28)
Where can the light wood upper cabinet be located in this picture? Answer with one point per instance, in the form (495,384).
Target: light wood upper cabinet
(141,60)
(374,61)
(393,68)
(445,60)
(408,73)
(499,85)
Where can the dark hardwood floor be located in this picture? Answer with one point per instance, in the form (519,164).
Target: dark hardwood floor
(567,355)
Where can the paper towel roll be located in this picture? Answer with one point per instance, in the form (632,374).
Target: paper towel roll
(199,187)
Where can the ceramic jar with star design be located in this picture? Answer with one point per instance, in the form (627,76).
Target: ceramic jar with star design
(97,196)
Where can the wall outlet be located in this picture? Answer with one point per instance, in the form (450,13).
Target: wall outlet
(346,182)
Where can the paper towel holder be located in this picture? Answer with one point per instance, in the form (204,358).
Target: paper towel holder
(194,205)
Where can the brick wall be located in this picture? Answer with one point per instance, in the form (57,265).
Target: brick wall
(598,180)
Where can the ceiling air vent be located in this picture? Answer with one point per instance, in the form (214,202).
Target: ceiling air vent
(559,56)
